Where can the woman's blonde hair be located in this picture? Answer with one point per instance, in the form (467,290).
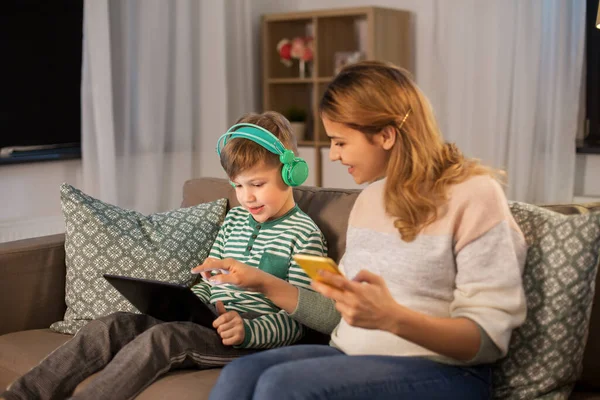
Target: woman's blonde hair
(371,96)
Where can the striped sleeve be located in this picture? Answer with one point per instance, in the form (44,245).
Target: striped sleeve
(202,290)
(313,244)
(271,330)
(280,329)
(216,251)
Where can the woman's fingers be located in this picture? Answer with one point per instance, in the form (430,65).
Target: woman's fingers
(368,277)
(334,280)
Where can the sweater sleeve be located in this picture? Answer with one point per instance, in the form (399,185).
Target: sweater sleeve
(316,311)
(490,256)
(313,310)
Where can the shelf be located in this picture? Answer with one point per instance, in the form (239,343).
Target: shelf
(275,81)
(377,33)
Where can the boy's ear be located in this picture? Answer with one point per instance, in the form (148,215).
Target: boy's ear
(387,137)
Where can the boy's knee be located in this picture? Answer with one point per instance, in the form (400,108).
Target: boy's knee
(117,318)
(164,333)
(122,323)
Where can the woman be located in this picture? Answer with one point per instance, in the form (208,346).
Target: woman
(432,287)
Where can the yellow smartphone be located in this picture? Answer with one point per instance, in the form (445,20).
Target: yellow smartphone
(312,264)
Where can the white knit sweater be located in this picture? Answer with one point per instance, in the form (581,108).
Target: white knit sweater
(468,263)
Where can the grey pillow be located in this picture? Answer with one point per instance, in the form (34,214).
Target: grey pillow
(102,238)
(545,354)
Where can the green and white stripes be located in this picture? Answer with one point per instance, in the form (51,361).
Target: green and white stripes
(268,246)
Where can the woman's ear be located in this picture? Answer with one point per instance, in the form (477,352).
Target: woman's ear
(387,137)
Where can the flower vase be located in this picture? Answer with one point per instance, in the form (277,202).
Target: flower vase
(303,67)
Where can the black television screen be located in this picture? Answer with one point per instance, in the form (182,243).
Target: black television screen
(41,48)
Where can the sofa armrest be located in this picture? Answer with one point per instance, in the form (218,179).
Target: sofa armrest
(32,283)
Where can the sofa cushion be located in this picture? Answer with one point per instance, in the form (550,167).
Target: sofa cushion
(183,384)
(546,352)
(329,208)
(103,238)
(21,351)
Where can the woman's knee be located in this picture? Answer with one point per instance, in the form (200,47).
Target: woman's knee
(236,369)
(273,379)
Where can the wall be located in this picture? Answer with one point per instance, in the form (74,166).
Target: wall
(30,200)
(587,182)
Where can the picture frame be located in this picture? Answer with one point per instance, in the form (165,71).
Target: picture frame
(343,58)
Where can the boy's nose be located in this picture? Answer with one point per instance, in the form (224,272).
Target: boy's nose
(249,196)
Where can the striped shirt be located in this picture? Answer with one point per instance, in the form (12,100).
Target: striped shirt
(268,246)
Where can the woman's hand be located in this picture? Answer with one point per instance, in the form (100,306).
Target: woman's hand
(364,301)
(230,326)
(233,272)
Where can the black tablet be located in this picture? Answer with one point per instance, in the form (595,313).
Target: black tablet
(162,300)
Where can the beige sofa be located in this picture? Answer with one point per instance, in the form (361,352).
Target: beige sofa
(32,289)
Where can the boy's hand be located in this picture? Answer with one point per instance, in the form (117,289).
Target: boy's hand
(234,272)
(230,326)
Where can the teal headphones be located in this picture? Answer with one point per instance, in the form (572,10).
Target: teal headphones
(295,169)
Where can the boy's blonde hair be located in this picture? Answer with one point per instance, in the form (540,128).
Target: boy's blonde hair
(240,154)
(371,96)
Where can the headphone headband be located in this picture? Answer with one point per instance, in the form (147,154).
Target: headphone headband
(252,132)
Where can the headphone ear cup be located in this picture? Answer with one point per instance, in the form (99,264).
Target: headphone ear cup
(295,173)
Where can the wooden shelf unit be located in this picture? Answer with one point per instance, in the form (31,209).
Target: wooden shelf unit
(379,33)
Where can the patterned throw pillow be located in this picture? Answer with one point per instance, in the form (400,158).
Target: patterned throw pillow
(102,238)
(545,354)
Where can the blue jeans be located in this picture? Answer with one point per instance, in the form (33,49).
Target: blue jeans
(323,372)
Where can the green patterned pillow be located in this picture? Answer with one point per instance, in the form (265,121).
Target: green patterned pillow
(546,353)
(102,238)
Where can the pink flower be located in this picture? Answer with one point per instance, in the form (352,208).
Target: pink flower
(297,47)
(310,43)
(301,48)
(284,49)
(308,54)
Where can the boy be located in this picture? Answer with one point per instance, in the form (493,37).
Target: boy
(132,350)
(263,232)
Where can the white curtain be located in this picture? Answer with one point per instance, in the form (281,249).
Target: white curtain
(504,78)
(146,72)
(244,54)
(163,79)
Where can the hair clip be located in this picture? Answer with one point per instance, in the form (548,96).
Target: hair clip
(404,119)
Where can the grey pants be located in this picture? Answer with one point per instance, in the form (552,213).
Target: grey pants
(131,350)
